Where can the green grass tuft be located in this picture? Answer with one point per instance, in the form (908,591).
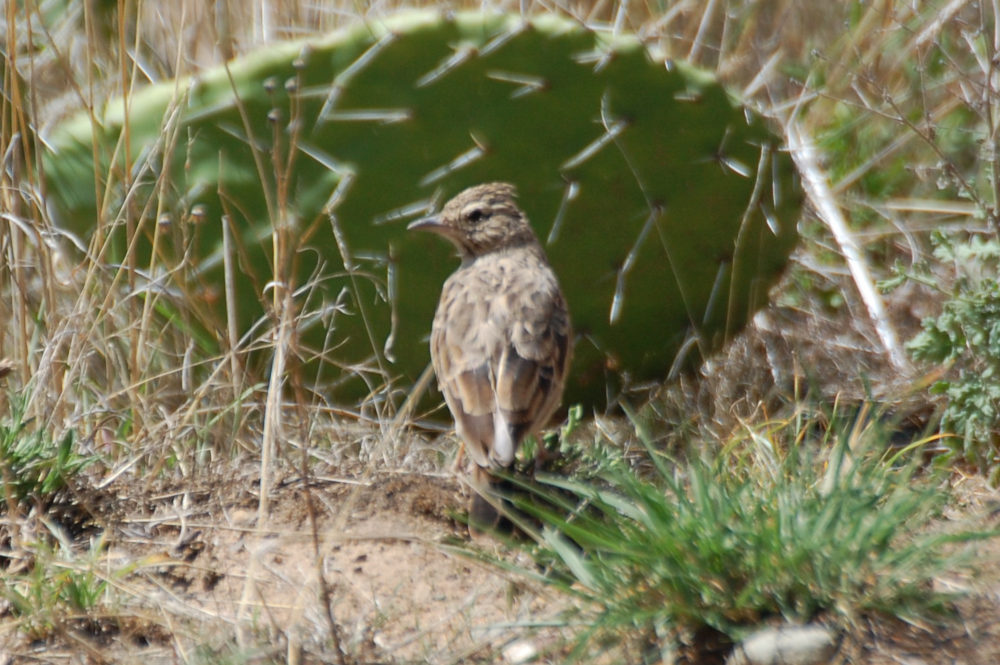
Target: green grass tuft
(33,464)
(774,525)
(58,589)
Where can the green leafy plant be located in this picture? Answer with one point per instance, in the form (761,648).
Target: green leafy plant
(34,465)
(771,526)
(966,336)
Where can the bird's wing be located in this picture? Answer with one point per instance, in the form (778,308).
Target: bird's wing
(462,349)
(531,369)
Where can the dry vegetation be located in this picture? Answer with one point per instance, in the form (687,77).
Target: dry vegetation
(218,516)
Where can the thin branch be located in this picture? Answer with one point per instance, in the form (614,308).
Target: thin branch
(820,193)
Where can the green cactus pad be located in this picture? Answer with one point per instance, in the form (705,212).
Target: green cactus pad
(666,209)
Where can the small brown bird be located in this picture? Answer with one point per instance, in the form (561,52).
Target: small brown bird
(501,340)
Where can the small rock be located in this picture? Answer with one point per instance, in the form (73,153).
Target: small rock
(519,652)
(786,645)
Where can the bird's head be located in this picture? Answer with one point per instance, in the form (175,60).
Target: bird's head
(480,220)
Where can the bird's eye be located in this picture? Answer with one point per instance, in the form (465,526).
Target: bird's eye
(475,215)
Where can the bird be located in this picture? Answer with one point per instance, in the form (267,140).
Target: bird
(501,340)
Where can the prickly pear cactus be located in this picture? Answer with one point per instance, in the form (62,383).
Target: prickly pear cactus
(666,210)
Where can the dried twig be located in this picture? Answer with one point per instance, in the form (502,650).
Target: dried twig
(819,192)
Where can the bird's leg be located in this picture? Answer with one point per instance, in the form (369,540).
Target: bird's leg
(456,466)
(484,508)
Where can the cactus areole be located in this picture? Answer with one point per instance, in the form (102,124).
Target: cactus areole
(666,208)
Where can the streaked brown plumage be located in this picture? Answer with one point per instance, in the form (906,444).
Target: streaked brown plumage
(501,339)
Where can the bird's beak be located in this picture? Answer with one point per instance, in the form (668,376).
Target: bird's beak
(432,223)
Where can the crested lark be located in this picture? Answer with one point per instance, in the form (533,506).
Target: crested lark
(501,339)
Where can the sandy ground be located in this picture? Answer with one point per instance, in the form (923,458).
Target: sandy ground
(383,566)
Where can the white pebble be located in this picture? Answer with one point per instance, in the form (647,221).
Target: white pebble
(519,652)
(786,645)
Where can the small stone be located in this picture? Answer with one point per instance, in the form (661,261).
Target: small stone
(786,645)
(519,652)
